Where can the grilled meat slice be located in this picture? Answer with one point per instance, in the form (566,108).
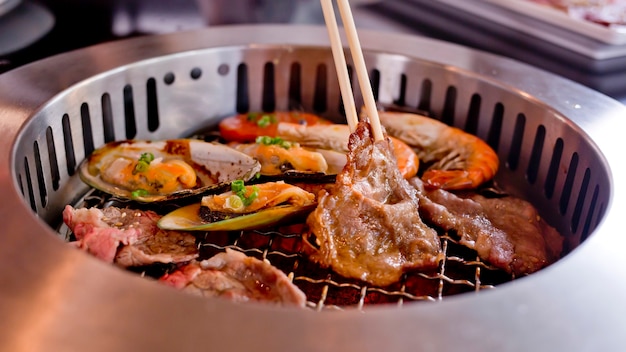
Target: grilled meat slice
(162,247)
(367,226)
(128,237)
(237,277)
(506,232)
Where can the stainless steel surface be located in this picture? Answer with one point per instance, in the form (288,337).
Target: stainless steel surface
(56,298)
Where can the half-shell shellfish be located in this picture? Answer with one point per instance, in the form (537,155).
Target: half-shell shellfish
(151,171)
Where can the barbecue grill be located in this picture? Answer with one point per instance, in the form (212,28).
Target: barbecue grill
(558,141)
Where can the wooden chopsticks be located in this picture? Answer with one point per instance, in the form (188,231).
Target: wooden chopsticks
(359,62)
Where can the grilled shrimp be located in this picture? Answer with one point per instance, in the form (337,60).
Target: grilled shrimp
(459,160)
(335,137)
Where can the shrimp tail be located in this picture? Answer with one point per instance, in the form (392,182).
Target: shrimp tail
(452,179)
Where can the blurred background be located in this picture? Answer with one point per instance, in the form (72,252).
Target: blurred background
(30,30)
(34,29)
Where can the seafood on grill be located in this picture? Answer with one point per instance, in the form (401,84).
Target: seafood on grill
(334,138)
(244,207)
(377,222)
(506,231)
(368,226)
(233,275)
(456,159)
(151,171)
(280,158)
(245,128)
(127,237)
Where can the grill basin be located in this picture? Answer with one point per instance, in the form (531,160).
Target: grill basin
(558,142)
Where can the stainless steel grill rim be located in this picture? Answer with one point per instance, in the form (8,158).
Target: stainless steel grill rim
(565,289)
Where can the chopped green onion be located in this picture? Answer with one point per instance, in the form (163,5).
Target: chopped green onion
(147,157)
(234,202)
(254,195)
(238,188)
(266,120)
(144,162)
(267,140)
(252,116)
(141,167)
(139,193)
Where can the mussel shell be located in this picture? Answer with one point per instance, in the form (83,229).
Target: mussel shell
(291,176)
(188,218)
(216,165)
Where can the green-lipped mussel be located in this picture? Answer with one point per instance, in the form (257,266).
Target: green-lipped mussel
(242,208)
(152,171)
(282,159)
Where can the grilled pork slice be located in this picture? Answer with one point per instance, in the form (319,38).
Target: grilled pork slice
(367,226)
(506,232)
(233,275)
(128,237)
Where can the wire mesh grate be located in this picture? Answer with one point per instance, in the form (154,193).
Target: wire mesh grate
(460,271)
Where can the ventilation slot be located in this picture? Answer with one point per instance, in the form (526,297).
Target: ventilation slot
(195,73)
(319,97)
(169,78)
(295,90)
(21,184)
(69,145)
(52,156)
(580,202)
(269,90)
(401,101)
(592,208)
(449,106)
(152,105)
(553,171)
(425,95)
(471,125)
(29,185)
(129,112)
(569,182)
(342,108)
(495,130)
(43,193)
(535,156)
(243,98)
(516,143)
(375,82)
(223,69)
(87,132)
(107,118)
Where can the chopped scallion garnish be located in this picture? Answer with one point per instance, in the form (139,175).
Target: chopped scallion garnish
(144,162)
(266,120)
(254,195)
(239,189)
(252,116)
(267,140)
(139,193)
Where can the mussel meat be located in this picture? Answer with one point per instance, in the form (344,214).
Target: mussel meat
(151,171)
(287,160)
(242,208)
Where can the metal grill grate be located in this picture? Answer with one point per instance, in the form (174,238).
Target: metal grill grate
(460,271)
